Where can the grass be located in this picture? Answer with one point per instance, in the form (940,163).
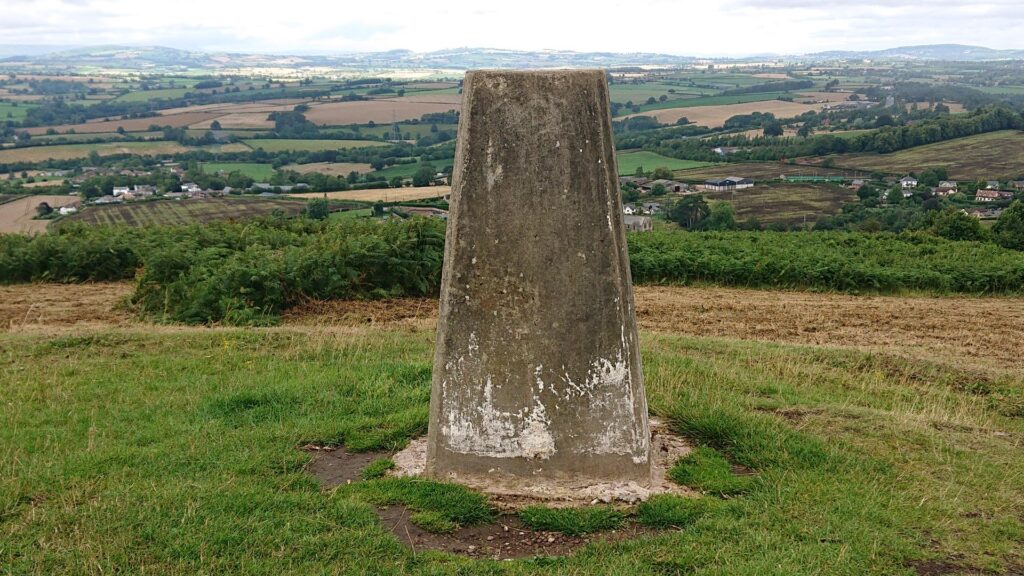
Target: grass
(670,511)
(572,521)
(981,157)
(760,171)
(178,212)
(8,111)
(259,172)
(712,101)
(176,449)
(628,162)
(73,151)
(146,95)
(709,471)
(280,145)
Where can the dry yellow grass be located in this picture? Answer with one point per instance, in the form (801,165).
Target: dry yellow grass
(715,116)
(16,216)
(71,151)
(382,194)
(238,121)
(331,168)
(379,111)
(131,125)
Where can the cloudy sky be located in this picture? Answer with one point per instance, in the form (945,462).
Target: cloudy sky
(717,27)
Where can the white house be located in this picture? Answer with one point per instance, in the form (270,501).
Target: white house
(629,209)
(121,190)
(191,187)
(908,182)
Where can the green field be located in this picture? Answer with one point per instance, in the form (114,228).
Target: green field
(171,212)
(177,449)
(639,93)
(713,101)
(251,169)
(792,204)
(994,155)
(144,95)
(628,162)
(10,111)
(280,145)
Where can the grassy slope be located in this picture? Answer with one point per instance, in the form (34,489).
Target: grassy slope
(277,145)
(251,169)
(628,162)
(787,203)
(177,450)
(984,156)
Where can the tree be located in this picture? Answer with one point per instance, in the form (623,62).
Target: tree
(662,173)
(395,182)
(720,217)
(424,176)
(215,125)
(773,128)
(630,194)
(658,190)
(1008,230)
(318,209)
(953,224)
(43,209)
(688,211)
(378,208)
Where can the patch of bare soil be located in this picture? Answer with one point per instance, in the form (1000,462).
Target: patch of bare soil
(505,539)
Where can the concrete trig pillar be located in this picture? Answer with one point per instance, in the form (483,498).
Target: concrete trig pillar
(537,367)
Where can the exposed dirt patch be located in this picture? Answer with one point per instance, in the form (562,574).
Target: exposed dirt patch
(337,466)
(507,538)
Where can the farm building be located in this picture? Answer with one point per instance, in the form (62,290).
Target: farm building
(1017,185)
(629,209)
(634,180)
(651,207)
(726,184)
(668,185)
(908,182)
(992,195)
(992,185)
(638,223)
(426,211)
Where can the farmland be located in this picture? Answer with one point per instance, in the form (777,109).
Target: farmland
(377,111)
(171,212)
(714,116)
(253,170)
(16,214)
(628,162)
(785,203)
(10,111)
(984,156)
(760,171)
(330,168)
(68,152)
(381,194)
(280,145)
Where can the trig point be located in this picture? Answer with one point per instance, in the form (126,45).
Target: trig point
(537,369)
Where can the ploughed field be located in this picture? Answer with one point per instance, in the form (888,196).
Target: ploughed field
(878,435)
(172,212)
(786,203)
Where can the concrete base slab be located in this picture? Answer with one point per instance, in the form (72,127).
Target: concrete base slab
(510,491)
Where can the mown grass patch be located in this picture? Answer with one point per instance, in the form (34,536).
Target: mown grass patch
(573,521)
(176,449)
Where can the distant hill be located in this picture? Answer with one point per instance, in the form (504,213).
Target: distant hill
(158,57)
(949,52)
(163,59)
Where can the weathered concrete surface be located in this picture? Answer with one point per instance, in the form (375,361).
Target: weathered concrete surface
(537,368)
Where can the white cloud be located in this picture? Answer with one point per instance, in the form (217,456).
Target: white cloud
(729,27)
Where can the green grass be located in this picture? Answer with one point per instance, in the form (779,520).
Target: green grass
(671,511)
(572,521)
(8,111)
(279,145)
(178,450)
(182,212)
(377,469)
(711,101)
(253,170)
(707,470)
(628,162)
(146,95)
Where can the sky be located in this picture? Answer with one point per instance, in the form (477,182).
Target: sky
(698,28)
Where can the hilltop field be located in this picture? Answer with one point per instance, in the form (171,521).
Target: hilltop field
(879,435)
